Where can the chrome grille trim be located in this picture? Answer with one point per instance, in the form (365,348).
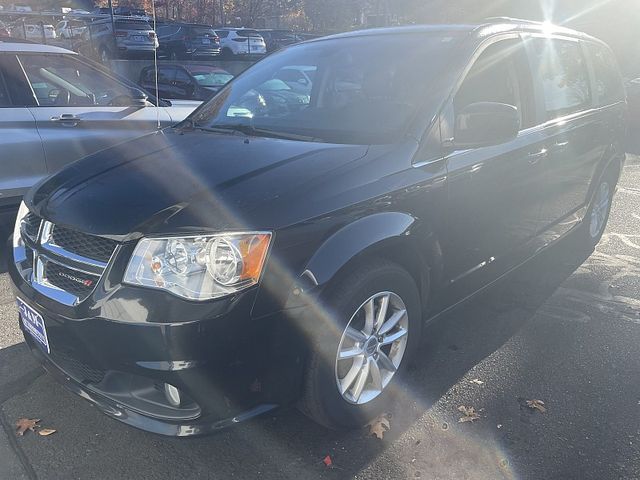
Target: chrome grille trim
(70,266)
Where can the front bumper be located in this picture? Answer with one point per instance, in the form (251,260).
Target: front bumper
(110,407)
(118,348)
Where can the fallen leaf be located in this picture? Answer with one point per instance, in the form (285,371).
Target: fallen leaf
(499,425)
(477,381)
(24,424)
(536,405)
(379,426)
(327,461)
(469,413)
(45,432)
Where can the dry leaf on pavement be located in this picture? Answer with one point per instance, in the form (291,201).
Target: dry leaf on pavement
(477,381)
(24,424)
(45,432)
(469,413)
(537,405)
(379,426)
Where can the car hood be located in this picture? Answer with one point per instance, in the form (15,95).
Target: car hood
(166,182)
(181,109)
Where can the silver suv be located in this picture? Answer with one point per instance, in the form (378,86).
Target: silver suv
(131,38)
(56,107)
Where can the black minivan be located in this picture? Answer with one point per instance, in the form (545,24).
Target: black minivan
(279,248)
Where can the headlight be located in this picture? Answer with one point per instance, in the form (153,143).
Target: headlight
(17,236)
(201,267)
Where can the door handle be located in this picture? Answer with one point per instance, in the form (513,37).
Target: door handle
(67,120)
(535,157)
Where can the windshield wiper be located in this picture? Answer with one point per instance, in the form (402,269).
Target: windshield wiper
(250,130)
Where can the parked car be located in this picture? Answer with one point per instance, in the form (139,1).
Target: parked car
(34,32)
(188,82)
(70,29)
(240,41)
(299,78)
(276,39)
(181,41)
(58,107)
(133,38)
(199,276)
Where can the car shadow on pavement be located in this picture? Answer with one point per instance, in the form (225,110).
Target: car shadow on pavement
(287,444)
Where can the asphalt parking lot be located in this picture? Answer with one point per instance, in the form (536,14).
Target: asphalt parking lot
(565,329)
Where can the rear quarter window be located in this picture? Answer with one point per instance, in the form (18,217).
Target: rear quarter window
(608,86)
(561,68)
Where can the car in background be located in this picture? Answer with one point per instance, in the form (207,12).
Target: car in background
(34,32)
(298,77)
(277,39)
(185,82)
(181,41)
(70,29)
(132,38)
(240,41)
(57,107)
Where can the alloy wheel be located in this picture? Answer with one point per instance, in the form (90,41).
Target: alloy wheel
(599,210)
(371,348)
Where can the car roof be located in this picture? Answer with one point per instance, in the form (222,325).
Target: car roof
(15,47)
(480,30)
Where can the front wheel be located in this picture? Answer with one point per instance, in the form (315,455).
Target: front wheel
(371,326)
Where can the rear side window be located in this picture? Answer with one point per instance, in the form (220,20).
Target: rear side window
(223,33)
(608,87)
(561,67)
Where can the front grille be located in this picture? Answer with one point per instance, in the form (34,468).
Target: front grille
(31,226)
(85,245)
(75,368)
(72,281)
(60,262)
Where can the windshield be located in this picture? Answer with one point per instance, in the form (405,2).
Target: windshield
(349,90)
(203,31)
(126,25)
(247,33)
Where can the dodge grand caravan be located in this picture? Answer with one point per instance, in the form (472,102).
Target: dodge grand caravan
(278,249)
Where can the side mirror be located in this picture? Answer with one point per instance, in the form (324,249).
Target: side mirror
(486,123)
(138,97)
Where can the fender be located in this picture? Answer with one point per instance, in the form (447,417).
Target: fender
(396,233)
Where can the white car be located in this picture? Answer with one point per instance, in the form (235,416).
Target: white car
(241,41)
(70,29)
(59,107)
(35,32)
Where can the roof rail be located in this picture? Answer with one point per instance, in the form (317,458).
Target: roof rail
(511,20)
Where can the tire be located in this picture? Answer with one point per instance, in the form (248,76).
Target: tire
(226,53)
(597,216)
(345,302)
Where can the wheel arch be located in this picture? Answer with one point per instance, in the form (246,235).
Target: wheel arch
(395,236)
